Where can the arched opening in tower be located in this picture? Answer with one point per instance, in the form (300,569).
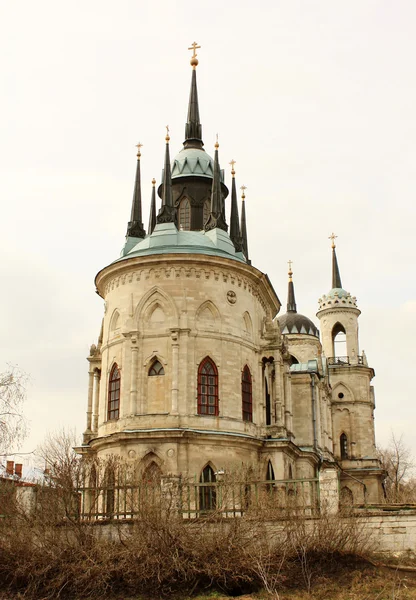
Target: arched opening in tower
(339,341)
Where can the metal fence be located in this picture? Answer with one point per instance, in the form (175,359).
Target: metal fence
(193,499)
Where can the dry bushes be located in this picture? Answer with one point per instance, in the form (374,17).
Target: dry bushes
(50,552)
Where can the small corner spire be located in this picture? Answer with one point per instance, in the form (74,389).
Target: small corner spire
(235,235)
(152,216)
(216,217)
(243,227)
(193,127)
(291,302)
(336,277)
(135,225)
(167,212)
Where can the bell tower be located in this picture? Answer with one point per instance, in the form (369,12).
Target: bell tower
(353,400)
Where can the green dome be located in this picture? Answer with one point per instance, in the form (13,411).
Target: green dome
(340,292)
(192,161)
(166,239)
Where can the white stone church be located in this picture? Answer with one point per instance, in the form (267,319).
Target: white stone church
(196,371)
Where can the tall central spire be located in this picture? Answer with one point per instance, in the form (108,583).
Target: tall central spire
(336,277)
(193,127)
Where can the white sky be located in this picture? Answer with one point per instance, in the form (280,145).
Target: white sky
(314,99)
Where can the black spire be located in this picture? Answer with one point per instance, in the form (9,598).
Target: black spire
(234,220)
(336,277)
(193,127)
(135,226)
(167,213)
(291,302)
(216,217)
(244,224)
(152,216)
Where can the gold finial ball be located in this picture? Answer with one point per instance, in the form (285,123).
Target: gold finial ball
(194,62)
(154,181)
(167,138)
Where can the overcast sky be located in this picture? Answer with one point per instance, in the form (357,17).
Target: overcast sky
(314,99)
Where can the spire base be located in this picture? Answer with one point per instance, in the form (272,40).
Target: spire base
(216,221)
(167,214)
(135,229)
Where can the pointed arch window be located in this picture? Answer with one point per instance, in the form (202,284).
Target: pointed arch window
(269,472)
(246,393)
(339,341)
(185,214)
(156,369)
(207,489)
(207,388)
(206,211)
(114,393)
(343,442)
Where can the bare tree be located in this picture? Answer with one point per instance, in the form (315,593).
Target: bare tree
(13,423)
(398,463)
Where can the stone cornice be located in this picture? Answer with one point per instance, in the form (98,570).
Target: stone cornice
(190,266)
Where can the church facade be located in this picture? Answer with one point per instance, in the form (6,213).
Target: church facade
(195,371)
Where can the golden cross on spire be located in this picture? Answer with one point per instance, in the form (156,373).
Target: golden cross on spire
(194,60)
(138,146)
(243,195)
(333,237)
(167,138)
(290,273)
(232,163)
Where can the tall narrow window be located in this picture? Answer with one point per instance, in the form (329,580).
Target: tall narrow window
(268,404)
(110,495)
(339,341)
(114,393)
(269,472)
(185,215)
(246,392)
(343,442)
(207,489)
(207,388)
(207,211)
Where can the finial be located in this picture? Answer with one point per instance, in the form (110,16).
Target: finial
(167,138)
(216,142)
(232,163)
(243,195)
(153,182)
(333,237)
(138,146)
(290,273)
(194,60)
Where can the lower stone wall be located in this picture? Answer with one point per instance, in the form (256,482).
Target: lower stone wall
(393,531)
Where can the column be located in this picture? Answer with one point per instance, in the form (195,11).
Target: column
(175,370)
(133,371)
(97,379)
(278,393)
(90,393)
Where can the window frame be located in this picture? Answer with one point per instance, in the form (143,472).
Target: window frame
(157,373)
(203,408)
(247,394)
(114,388)
(185,214)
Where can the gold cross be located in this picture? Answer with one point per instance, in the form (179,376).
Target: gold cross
(194,47)
(167,138)
(243,187)
(333,237)
(138,146)
(290,263)
(232,163)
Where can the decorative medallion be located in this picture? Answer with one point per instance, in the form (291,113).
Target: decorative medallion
(170,452)
(132,454)
(231,297)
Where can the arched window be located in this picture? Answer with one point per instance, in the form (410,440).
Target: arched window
(343,442)
(269,472)
(156,369)
(114,393)
(152,474)
(206,211)
(207,388)
(339,341)
(246,393)
(293,360)
(346,496)
(185,215)
(207,492)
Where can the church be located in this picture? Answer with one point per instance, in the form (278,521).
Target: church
(197,371)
